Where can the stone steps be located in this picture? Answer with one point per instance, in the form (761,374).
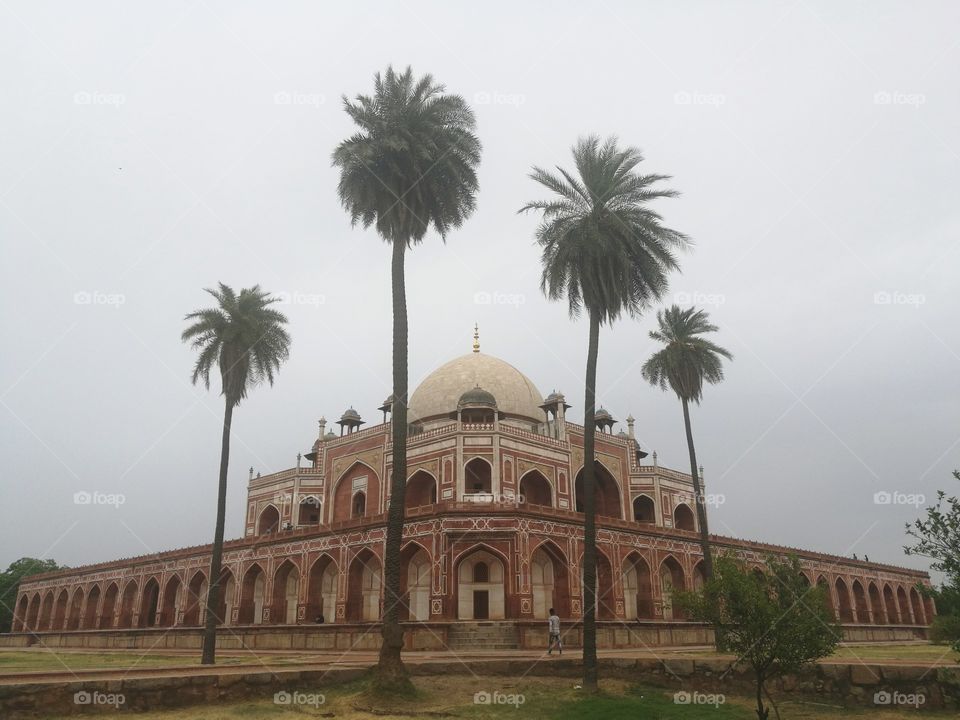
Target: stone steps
(482,635)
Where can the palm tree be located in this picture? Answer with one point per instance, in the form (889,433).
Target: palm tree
(686,361)
(246,340)
(412,164)
(607,252)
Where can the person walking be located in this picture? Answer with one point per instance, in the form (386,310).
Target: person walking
(553,625)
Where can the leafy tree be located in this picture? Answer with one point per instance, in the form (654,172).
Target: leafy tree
(244,338)
(411,165)
(772,620)
(685,363)
(938,538)
(10,584)
(606,251)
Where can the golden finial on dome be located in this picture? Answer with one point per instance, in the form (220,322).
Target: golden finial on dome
(476,338)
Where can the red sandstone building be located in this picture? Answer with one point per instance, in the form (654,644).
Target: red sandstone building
(494,532)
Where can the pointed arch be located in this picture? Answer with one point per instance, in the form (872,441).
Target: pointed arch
(644,509)
(550,580)
(76,605)
(46,612)
(876,604)
(90,617)
(227,591)
(196,595)
(903,607)
(421,490)
(286,593)
(364,587)
(683,518)
(481,584)
(416,578)
(322,589)
(35,620)
(149,602)
(536,489)
(843,601)
(671,579)
(607,492)
(824,587)
(890,605)
(170,605)
(358,478)
(309,510)
(862,613)
(252,596)
(268,522)
(919,617)
(60,611)
(108,607)
(637,587)
(127,601)
(477,476)
(23,610)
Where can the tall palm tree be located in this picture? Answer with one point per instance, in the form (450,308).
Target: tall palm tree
(411,165)
(686,361)
(607,251)
(245,339)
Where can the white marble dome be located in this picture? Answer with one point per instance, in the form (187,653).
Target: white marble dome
(439,393)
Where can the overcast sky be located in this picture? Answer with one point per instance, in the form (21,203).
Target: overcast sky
(150,150)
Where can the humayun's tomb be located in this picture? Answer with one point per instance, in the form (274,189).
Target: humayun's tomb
(493,539)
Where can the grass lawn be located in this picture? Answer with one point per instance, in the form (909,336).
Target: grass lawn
(552,698)
(920,652)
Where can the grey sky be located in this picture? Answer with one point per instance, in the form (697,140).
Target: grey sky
(150,150)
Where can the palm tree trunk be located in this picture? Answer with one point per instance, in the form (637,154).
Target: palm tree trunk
(390,670)
(216,558)
(698,496)
(589,512)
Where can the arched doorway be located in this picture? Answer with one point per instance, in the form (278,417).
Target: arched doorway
(127,601)
(149,603)
(683,517)
(644,510)
(269,521)
(359,479)
(227,588)
(890,606)
(20,616)
(478,477)
(876,605)
(860,603)
(843,601)
(421,490)
(90,617)
(322,590)
(824,588)
(73,618)
(363,588)
(46,612)
(607,493)
(671,579)
(918,615)
(550,581)
(480,587)
(309,511)
(359,506)
(109,607)
(416,575)
(903,606)
(637,588)
(535,490)
(196,599)
(286,588)
(252,596)
(60,611)
(169,606)
(605,606)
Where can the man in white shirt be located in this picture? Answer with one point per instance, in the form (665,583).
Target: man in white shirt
(553,625)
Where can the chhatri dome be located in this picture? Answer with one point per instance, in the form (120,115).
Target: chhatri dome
(442,390)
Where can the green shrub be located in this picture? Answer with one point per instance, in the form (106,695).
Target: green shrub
(945,629)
